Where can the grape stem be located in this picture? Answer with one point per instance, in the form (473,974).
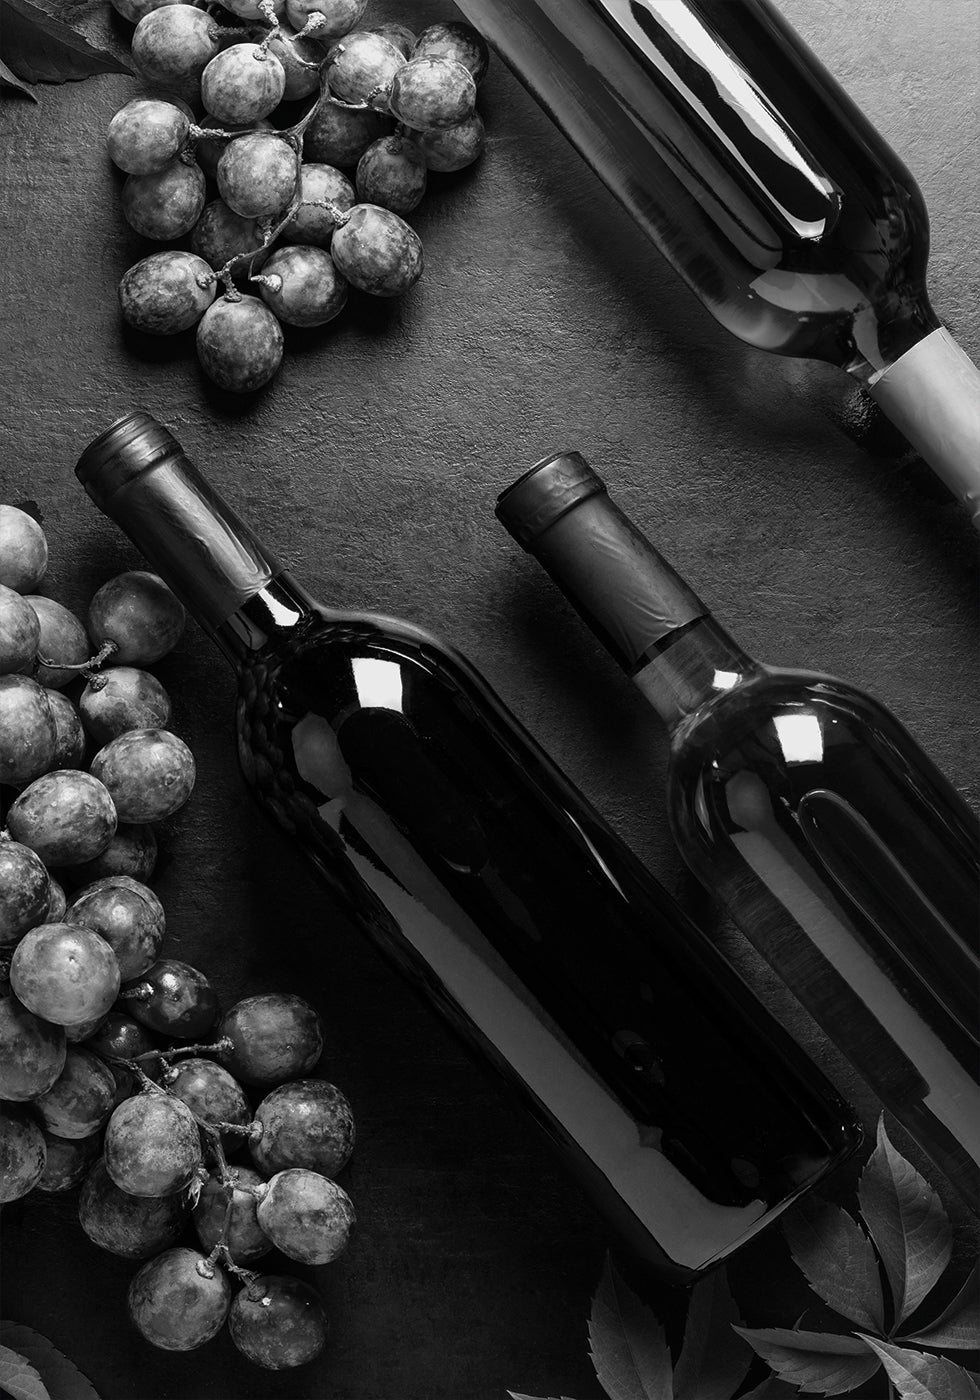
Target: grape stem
(88,667)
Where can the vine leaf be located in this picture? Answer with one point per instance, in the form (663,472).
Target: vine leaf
(19,1379)
(837,1260)
(921,1377)
(818,1363)
(515,1396)
(628,1348)
(62,1379)
(11,80)
(44,41)
(907,1223)
(958,1327)
(714,1358)
(772,1388)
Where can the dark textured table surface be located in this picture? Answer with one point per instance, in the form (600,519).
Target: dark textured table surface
(543,321)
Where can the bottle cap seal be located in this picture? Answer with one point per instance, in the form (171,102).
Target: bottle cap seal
(544,494)
(125,450)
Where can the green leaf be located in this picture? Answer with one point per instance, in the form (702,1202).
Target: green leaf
(514,1396)
(713,1359)
(907,1223)
(921,1377)
(628,1348)
(837,1260)
(18,1379)
(772,1388)
(11,80)
(44,41)
(63,1379)
(958,1327)
(819,1363)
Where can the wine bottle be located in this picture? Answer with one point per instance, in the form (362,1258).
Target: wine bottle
(763,185)
(847,859)
(688,1114)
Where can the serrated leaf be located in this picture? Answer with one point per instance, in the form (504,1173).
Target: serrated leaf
(921,1377)
(837,1259)
(43,41)
(958,1326)
(11,80)
(772,1388)
(819,1363)
(907,1223)
(19,1379)
(62,1378)
(514,1396)
(714,1358)
(628,1348)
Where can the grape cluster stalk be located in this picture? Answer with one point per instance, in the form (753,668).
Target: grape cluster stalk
(387,106)
(119,1076)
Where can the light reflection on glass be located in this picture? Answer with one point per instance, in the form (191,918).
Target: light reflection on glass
(800,738)
(378,683)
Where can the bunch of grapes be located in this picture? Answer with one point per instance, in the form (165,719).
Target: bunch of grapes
(387,106)
(104,1084)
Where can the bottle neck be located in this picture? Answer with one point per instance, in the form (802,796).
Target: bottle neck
(277,609)
(690,667)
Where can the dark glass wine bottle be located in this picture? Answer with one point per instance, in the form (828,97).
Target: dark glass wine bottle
(687,1113)
(845,856)
(763,185)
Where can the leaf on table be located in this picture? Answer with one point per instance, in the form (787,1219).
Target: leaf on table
(515,1396)
(958,1326)
(44,41)
(628,1349)
(917,1376)
(907,1223)
(837,1260)
(19,1379)
(11,80)
(62,1378)
(819,1363)
(714,1358)
(772,1388)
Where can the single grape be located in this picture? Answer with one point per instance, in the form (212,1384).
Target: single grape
(80,1099)
(28,732)
(243,1235)
(402,38)
(319,185)
(69,744)
(120,1037)
(80,1030)
(208,149)
(152,1145)
(257,174)
(149,773)
(278,1322)
(64,973)
(66,817)
(138,612)
(392,173)
(173,45)
(454,39)
(25,891)
(297,56)
(377,251)
(306,1215)
(23,550)
(239,344)
(32,1052)
(339,135)
(132,851)
(131,922)
(62,640)
(173,998)
(242,84)
(306,1123)
(211,1094)
(57,902)
(146,135)
(361,66)
(429,93)
(340,16)
(166,293)
(121,699)
(166,204)
(178,1301)
(275,1036)
(20,632)
(68,1161)
(131,1226)
(220,235)
(22,1155)
(310,292)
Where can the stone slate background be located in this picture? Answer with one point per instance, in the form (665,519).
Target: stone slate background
(543,321)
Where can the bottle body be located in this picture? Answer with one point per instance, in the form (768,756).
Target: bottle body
(689,1116)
